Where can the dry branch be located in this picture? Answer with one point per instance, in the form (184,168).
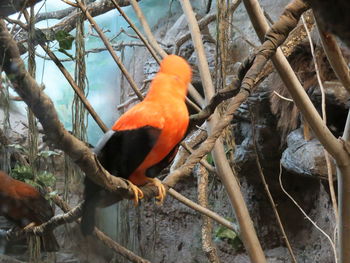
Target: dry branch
(223,168)
(202,23)
(331,144)
(335,57)
(208,246)
(43,108)
(155,46)
(266,187)
(110,49)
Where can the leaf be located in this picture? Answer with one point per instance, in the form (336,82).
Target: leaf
(65,40)
(66,53)
(46,179)
(21,172)
(46,154)
(228,235)
(210,159)
(17,147)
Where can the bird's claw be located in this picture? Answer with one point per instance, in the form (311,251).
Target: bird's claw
(138,194)
(29,226)
(161,190)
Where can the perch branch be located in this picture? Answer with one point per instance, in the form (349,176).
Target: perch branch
(110,48)
(138,32)
(224,171)
(334,56)
(332,145)
(155,46)
(202,23)
(267,190)
(44,110)
(208,246)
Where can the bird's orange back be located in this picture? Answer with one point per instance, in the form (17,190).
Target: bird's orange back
(163,108)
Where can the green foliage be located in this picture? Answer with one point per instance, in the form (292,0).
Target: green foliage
(65,40)
(231,237)
(210,159)
(25,173)
(46,154)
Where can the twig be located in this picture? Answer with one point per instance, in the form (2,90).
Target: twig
(324,117)
(306,216)
(205,211)
(202,23)
(334,56)
(129,101)
(266,187)
(282,97)
(203,162)
(75,87)
(110,49)
(153,42)
(155,46)
(224,171)
(207,226)
(138,32)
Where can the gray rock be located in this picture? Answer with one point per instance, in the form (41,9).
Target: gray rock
(304,157)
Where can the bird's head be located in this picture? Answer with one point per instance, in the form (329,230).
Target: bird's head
(175,65)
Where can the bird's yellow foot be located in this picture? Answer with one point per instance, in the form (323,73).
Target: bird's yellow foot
(30,225)
(161,189)
(138,194)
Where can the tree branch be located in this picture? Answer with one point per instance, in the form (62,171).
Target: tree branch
(43,108)
(155,46)
(335,147)
(224,171)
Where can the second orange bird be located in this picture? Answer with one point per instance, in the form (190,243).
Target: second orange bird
(144,140)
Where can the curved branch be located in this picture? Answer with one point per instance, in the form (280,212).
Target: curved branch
(44,110)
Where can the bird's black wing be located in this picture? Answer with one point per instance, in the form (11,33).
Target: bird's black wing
(120,153)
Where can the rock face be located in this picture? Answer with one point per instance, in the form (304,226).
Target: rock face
(304,157)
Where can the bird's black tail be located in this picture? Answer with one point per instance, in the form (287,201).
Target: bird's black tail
(88,217)
(91,193)
(49,242)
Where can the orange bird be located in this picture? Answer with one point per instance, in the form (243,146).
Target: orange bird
(144,140)
(23,205)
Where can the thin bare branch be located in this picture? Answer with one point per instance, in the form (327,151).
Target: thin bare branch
(110,49)
(208,246)
(202,23)
(334,146)
(266,187)
(205,211)
(75,87)
(224,171)
(138,32)
(335,56)
(155,46)
(324,118)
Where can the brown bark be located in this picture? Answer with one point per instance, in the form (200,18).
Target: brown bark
(9,7)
